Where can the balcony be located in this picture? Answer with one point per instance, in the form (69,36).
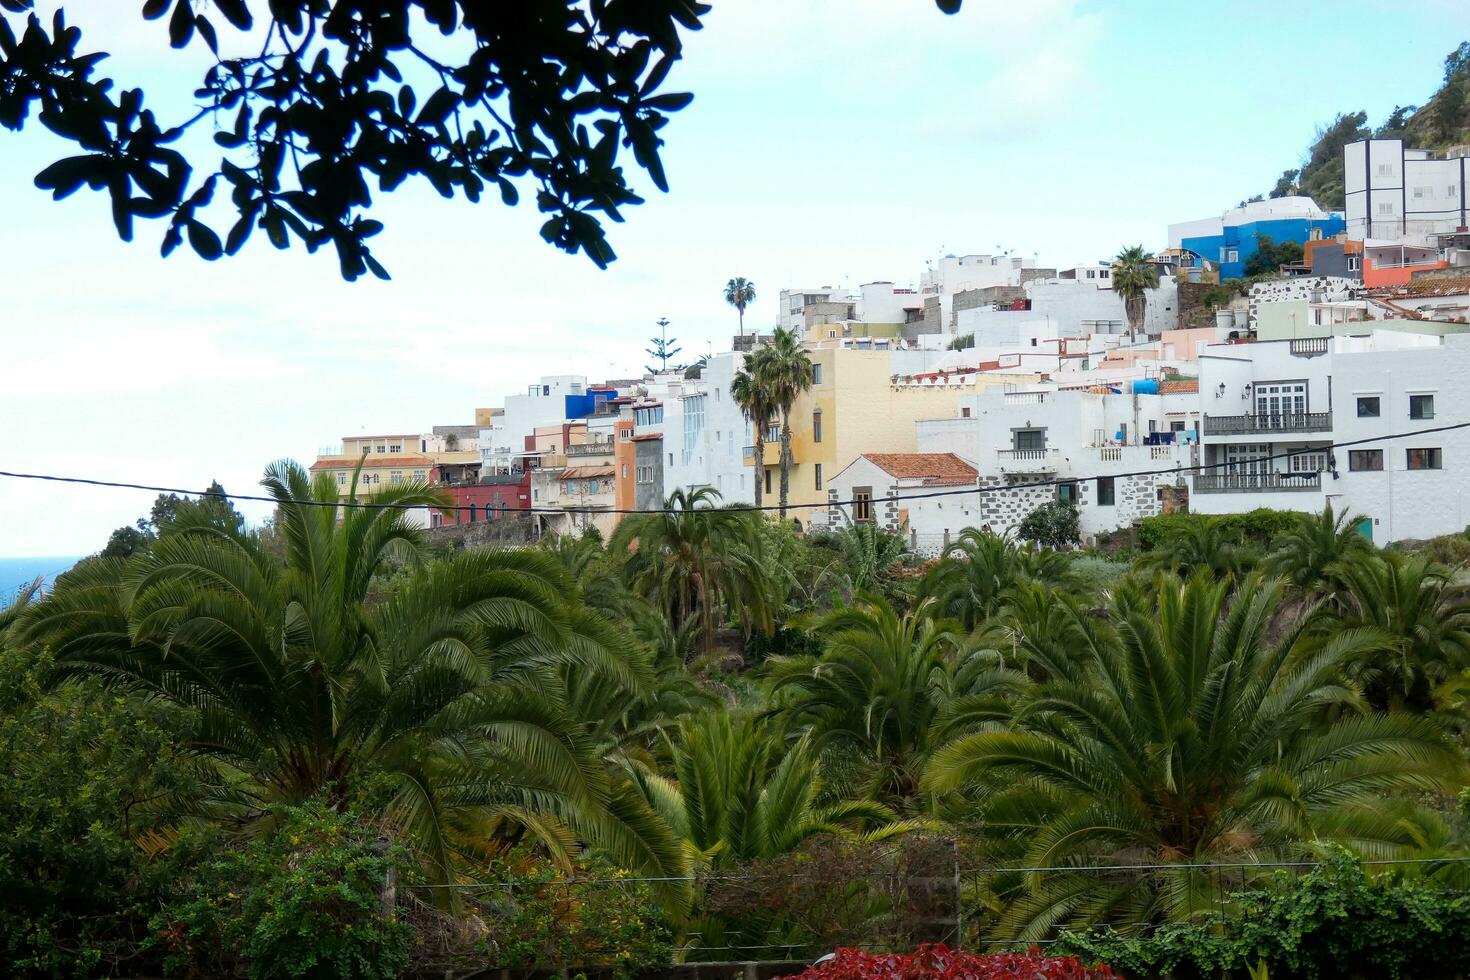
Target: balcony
(1256,482)
(1028,460)
(602,448)
(1241,425)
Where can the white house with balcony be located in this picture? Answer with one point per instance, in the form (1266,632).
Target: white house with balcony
(705,433)
(1117,457)
(1281,419)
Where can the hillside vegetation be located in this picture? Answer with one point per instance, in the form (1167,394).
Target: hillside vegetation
(1440,123)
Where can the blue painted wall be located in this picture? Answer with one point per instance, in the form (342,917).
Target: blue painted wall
(581,406)
(1243,239)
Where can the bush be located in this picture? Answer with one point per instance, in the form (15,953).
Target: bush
(305,901)
(1333,919)
(595,916)
(79,769)
(942,963)
(1258,527)
(1054,524)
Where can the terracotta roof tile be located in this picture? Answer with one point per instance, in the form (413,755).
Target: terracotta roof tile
(585,472)
(645,437)
(1183,386)
(935,469)
(372,461)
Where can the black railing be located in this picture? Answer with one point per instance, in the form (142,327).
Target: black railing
(1234,425)
(1255,482)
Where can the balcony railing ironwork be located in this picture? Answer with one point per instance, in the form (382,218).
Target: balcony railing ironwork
(1236,425)
(1256,482)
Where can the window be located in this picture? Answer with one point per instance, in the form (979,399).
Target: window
(1422,192)
(1307,462)
(366,450)
(1365,460)
(817,427)
(626,435)
(624,474)
(1028,439)
(1421,406)
(1092,273)
(396,449)
(1102,273)
(773,432)
(1385,169)
(1355,263)
(1425,459)
(341,478)
(817,476)
(1067,493)
(395,476)
(768,481)
(816,374)
(693,421)
(671,459)
(472,513)
(1385,207)
(418,475)
(1232,256)
(965,412)
(1281,399)
(1176,426)
(862,505)
(375,478)
(650,416)
(1368,407)
(1105,492)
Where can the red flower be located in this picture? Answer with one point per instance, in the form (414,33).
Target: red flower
(939,962)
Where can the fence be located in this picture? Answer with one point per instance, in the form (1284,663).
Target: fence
(796,909)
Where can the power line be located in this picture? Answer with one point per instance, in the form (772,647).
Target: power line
(824,505)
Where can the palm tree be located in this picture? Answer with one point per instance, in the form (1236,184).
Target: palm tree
(693,557)
(786,373)
(1307,553)
(750,392)
(980,572)
(1133,275)
(1202,543)
(1190,729)
(448,694)
(868,552)
(887,689)
(1425,614)
(740,293)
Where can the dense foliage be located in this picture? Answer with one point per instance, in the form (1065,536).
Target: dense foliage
(707,738)
(1318,924)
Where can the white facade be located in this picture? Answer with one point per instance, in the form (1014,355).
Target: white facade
(544,403)
(1084,307)
(883,302)
(1087,440)
(704,434)
(1270,399)
(929,523)
(952,274)
(795,301)
(1396,192)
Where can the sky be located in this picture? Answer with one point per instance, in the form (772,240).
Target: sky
(830,142)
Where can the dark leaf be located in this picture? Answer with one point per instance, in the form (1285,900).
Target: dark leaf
(181,25)
(204,241)
(236,12)
(155,9)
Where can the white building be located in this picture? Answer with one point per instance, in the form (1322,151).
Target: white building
(1087,440)
(795,304)
(1306,397)
(1082,307)
(877,482)
(1397,192)
(544,403)
(952,274)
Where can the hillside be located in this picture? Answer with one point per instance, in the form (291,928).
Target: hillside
(1441,122)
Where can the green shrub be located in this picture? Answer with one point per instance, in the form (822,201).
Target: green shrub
(1334,919)
(596,916)
(1053,524)
(305,901)
(1258,527)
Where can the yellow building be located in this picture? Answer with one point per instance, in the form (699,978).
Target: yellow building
(855,407)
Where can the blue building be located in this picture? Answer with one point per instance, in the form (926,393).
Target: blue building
(1233,238)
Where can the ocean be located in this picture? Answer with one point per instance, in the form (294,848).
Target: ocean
(16,573)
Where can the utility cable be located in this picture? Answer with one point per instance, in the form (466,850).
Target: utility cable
(739,507)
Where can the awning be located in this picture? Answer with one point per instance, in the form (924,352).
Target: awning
(585,472)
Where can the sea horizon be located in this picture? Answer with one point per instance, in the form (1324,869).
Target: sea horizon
(17,573)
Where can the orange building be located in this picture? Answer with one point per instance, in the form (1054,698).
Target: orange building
(623,456)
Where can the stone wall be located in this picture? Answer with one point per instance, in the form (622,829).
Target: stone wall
(504,531)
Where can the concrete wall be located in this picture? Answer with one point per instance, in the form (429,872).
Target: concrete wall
(649,495)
